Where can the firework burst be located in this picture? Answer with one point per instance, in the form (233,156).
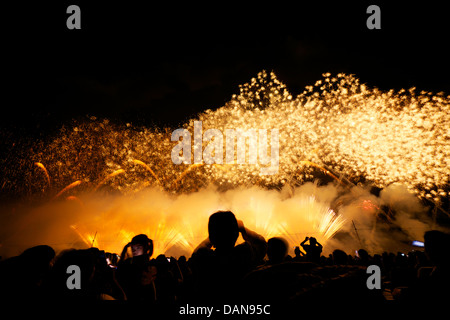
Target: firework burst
(338,127)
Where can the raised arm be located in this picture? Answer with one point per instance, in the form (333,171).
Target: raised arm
(319,245)
(205,244)
(256,241)
(124,252)
(303,242)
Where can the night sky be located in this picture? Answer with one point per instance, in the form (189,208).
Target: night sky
(162,64)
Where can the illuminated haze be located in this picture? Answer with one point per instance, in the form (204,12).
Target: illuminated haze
(99,183)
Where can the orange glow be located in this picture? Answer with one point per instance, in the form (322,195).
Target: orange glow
(345,129)
(40,165)
(148,168)
(327,172)
(185,172)
(70,186)
(112,175)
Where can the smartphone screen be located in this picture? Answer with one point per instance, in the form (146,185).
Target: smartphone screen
(416,243)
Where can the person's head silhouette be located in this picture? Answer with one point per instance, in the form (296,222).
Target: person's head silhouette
(312,241)
(223,230)
(437,246)
(277,249)
(141,245)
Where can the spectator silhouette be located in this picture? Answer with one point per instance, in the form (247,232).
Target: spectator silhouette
(363,257)
(217,273)
(221,271)
(187,286)
(277,249)
(141,246)
(57,285)
(437,247)
(165,281)
(313,250)
(299,254)
(184,267)
(136,274)
(340,257)
(104,278)
(24,276)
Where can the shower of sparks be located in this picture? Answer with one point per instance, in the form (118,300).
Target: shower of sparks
(163,237)
(321,168)
(115,173)
(325,221)
(185,172)
(41,166)
(89,239)
(369,205)
(147,168)
(77,200)
(70,186)
(338,127)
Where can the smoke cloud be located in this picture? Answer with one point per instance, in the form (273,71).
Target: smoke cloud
(178,223)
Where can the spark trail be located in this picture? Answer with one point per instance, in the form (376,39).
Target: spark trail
(338,127)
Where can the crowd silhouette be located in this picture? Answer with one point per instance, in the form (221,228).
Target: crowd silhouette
(218,270)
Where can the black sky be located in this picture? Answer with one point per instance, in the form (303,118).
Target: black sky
(162,64)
